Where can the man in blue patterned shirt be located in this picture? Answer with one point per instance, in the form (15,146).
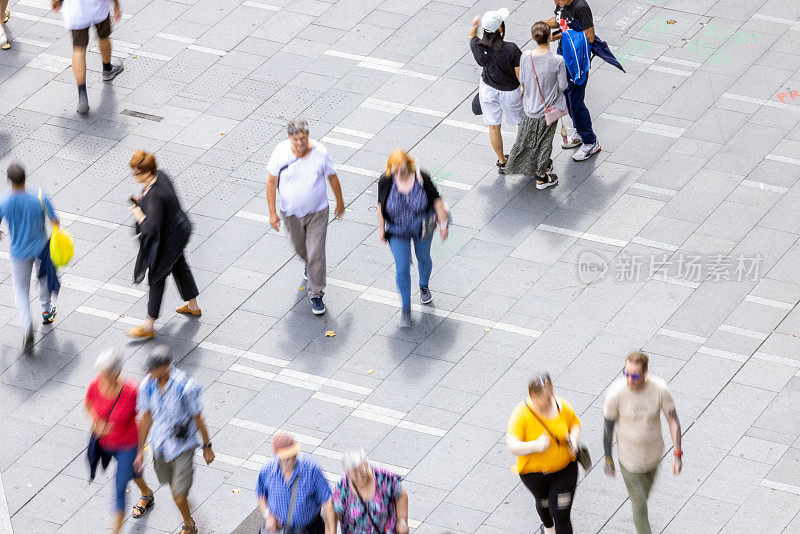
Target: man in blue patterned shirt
(286,474)
(169,406)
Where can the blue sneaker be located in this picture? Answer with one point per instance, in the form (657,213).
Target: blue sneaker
(317,306)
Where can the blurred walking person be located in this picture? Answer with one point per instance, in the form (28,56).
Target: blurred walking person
(171,414)
(634,405)
(409,209)
(164,230)
(292,492)
(500,94)
(543,434)
(79,16)
(111,404)
(544,77)
(369,500)
(298,168)
(26,215)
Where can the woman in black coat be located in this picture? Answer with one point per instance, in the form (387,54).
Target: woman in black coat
(164,230)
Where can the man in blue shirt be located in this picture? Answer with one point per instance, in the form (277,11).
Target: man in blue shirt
(25,214)
(169,405)
(286,474)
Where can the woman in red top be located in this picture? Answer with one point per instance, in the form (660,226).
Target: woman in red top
(111,403)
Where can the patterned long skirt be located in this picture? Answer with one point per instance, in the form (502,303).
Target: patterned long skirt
(533,147)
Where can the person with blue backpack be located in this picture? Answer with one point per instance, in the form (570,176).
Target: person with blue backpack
(575,29)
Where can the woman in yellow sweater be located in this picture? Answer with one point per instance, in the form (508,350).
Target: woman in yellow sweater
(543,434)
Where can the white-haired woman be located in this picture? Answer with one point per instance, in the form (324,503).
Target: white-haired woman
(111,403)
(369,500)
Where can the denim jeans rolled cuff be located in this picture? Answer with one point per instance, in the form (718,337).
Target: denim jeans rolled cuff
(401,250)
(578,112)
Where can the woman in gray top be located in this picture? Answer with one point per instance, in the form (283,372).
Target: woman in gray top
(534,144)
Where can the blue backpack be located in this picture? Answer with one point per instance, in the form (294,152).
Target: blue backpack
(577,55)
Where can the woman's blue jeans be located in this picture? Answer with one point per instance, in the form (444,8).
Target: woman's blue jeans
(401,249)
(125,473)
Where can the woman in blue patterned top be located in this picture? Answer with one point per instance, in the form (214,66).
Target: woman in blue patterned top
(408,207)
(369,500)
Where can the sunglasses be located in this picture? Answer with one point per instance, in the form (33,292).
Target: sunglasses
(633,376)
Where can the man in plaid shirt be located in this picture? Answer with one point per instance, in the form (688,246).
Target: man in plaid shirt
(286,474)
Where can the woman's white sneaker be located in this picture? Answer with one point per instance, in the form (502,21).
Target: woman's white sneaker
(586,151)
(571,141)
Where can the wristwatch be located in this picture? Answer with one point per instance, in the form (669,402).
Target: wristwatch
(207,445)
(678,453)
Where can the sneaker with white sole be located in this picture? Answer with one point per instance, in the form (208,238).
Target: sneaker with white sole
(586,151)
(425,296)
(317,306)
(109,75)
(571,141)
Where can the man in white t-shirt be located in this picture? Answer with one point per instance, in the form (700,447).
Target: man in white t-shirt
(79,16)
(298,168)
(635,404)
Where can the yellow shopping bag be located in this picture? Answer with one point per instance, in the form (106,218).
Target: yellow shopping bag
(61,247)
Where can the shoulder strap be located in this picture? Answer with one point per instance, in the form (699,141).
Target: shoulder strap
(115,403)
(290,514)
(558,441)
(41,202)
(535,77)
(366,509)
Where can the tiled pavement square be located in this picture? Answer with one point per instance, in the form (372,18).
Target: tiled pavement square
(691,208)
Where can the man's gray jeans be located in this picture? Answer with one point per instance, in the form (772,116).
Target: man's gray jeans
(21,279)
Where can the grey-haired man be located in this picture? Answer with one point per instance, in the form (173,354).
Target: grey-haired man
(297,169)
(171,416)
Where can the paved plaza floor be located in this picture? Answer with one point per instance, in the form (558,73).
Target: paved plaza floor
(680,238)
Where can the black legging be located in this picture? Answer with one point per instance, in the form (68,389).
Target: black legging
(553,493)
(183,279)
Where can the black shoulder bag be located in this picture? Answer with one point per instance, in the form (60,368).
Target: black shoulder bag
(366,509)
(582,455)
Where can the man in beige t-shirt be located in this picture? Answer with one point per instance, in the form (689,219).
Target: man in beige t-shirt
(635,405)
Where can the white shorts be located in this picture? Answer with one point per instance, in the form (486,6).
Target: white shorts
(497,104)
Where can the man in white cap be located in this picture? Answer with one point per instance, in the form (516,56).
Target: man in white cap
(500,92)
(293,491)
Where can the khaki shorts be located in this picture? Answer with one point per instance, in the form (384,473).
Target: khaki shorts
(80,38)
(178,472)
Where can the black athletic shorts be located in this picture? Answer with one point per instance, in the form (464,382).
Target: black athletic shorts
(80,38)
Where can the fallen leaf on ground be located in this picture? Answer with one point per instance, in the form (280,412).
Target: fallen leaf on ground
(330,333)
(371,371)
(485,329)
(670,21)
(236,490)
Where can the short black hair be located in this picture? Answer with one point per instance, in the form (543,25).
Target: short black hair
(159,357)
(16,174)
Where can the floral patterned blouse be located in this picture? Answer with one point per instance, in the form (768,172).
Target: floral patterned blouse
(354,520)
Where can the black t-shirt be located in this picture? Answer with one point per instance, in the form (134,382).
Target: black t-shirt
(578,11)
(498,65)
